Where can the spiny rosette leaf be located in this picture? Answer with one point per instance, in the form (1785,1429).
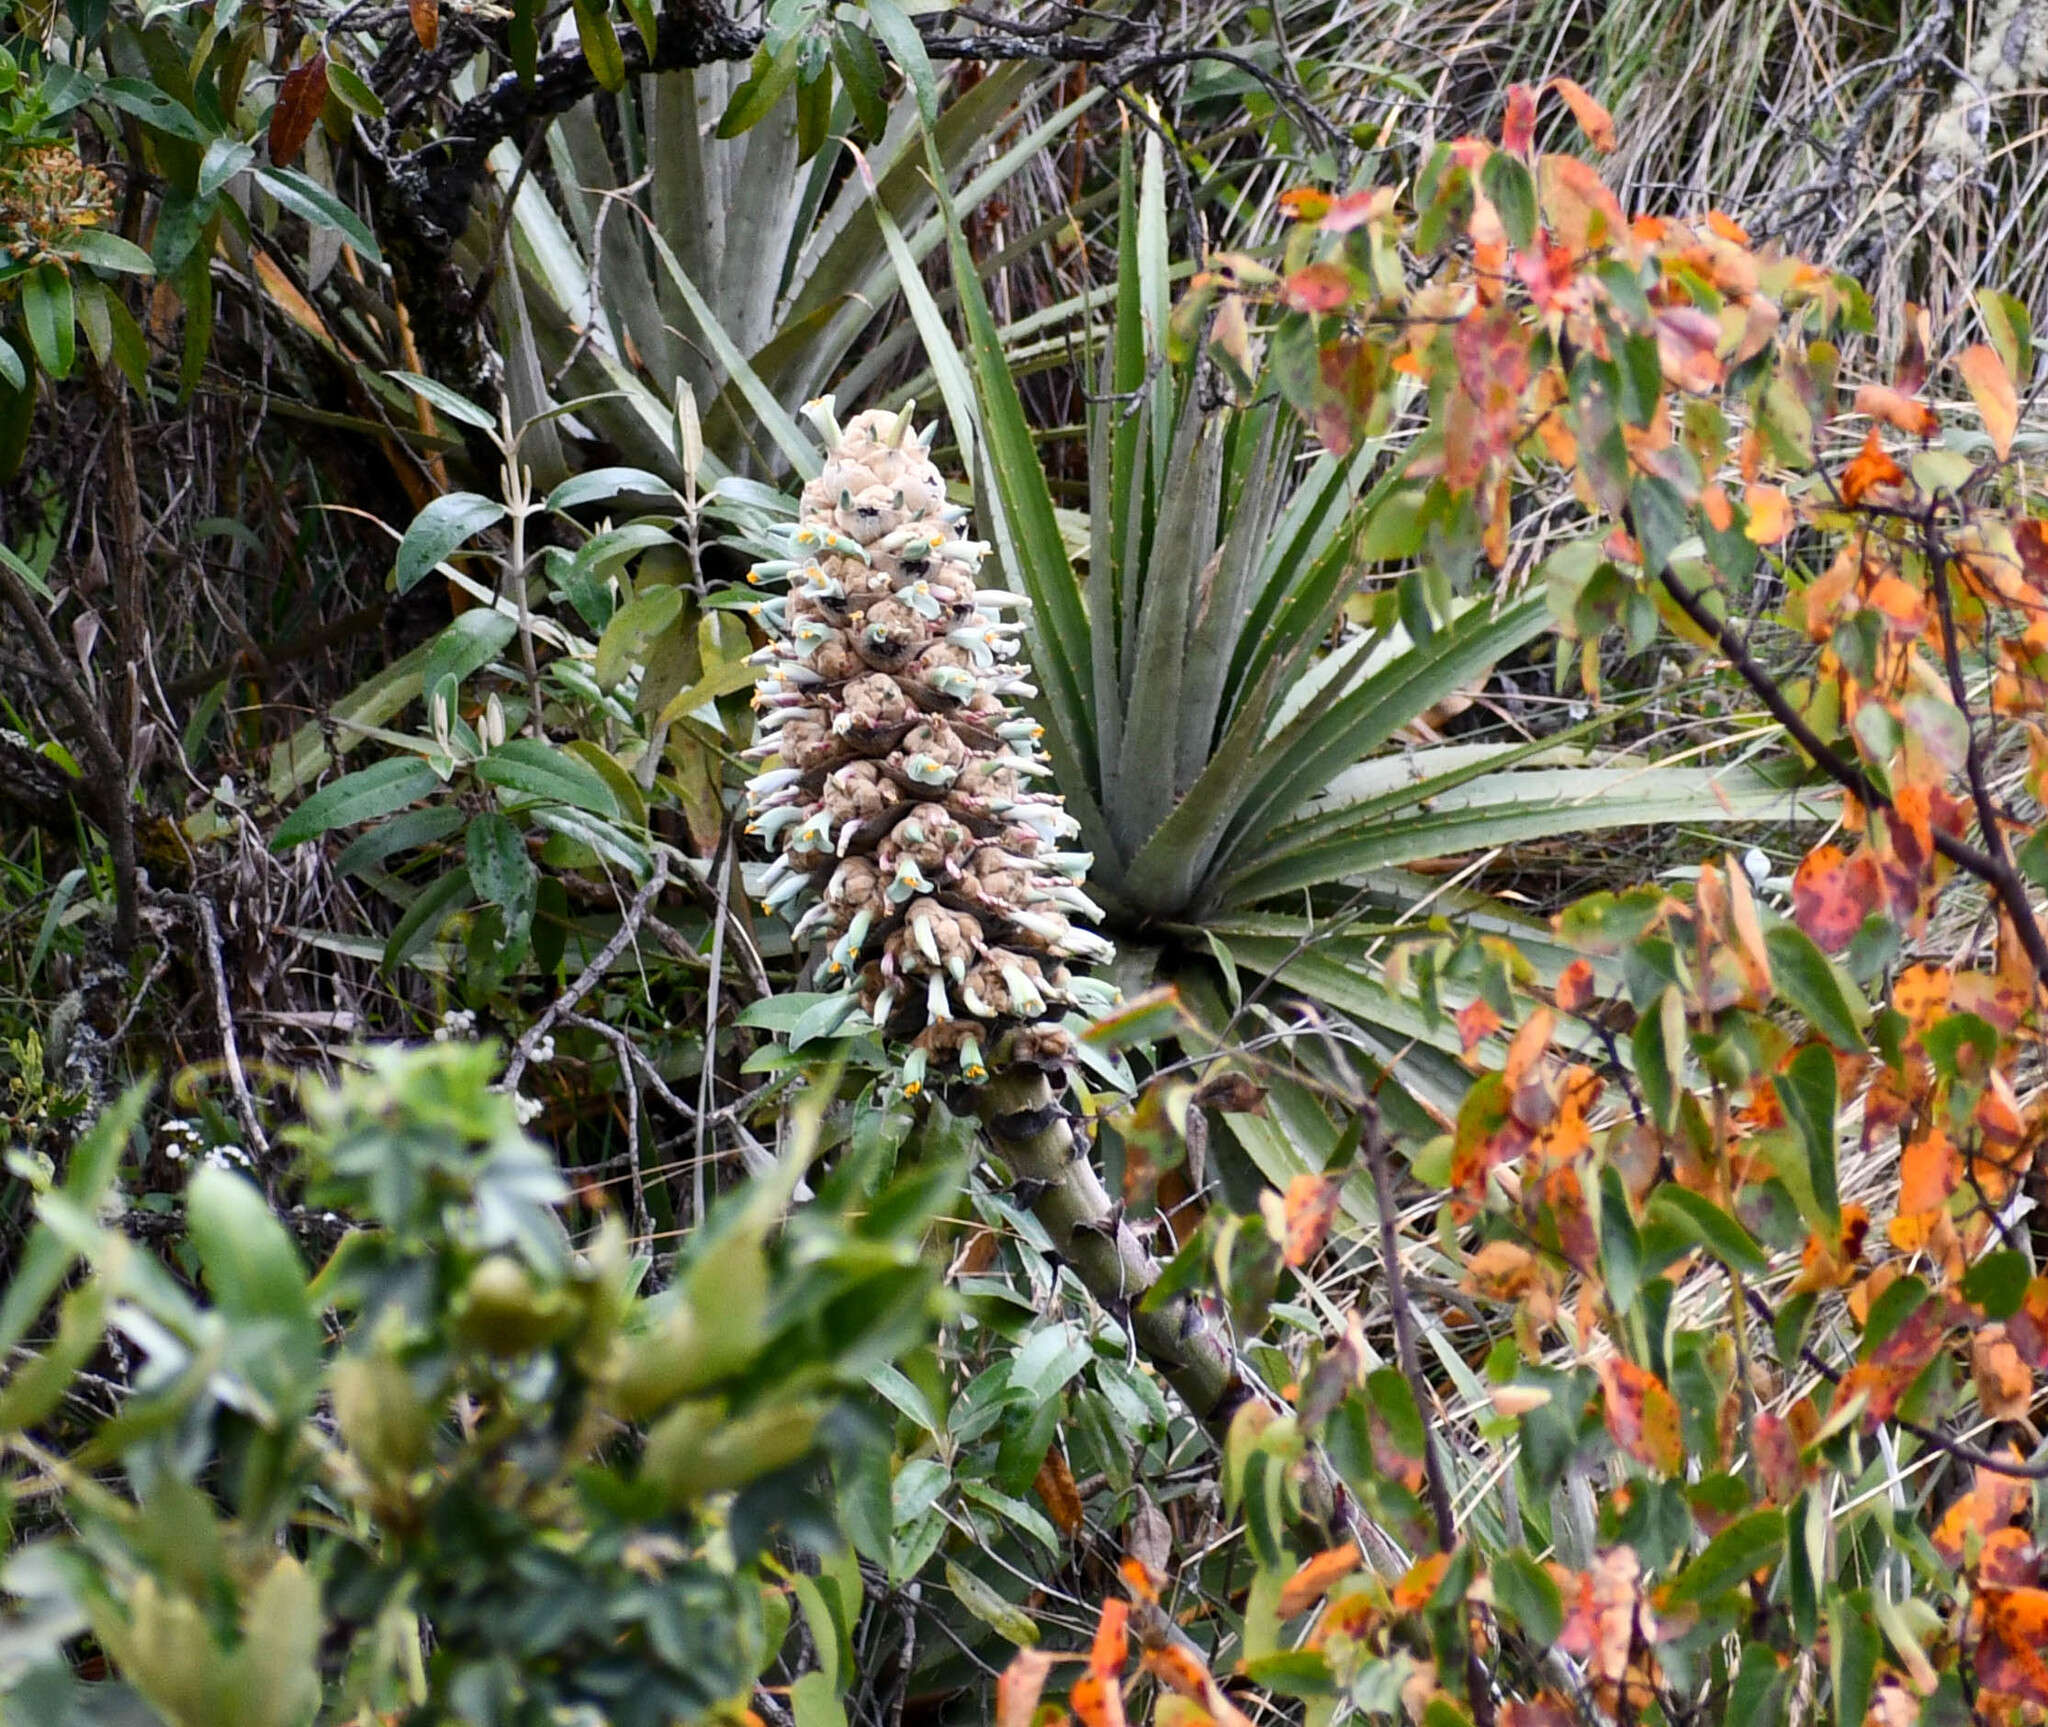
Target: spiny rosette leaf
(918,851)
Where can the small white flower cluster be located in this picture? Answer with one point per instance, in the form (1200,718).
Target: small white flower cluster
(456,1023)
(229,1157)
(544,1051)
(180,1139)
(526,1108)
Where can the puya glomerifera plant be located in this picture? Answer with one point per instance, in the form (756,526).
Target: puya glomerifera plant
(921,854)
(918,856)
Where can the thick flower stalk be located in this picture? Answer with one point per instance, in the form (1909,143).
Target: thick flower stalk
(918,852)
(921,854)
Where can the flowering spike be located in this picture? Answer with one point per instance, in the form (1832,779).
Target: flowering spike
(900,803)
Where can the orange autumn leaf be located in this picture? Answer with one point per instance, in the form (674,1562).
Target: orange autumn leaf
(1419,1582)
(1897,410)
(2008,1656)
(1096,1701)
(1310,1208)
(1991,388)
(1871,469)
(1642,1415)
(1929,1172)
(1112,1640)
(1178,1711)
(1575,986)
(1055,1488)
(1528,1046)
(2005,1387)
(1312,1581)
(1304,204)
(1176,1667)
(426,22)
(1991,1502)
(1593,119)
(1477,1021)
(1140,1579)
(1770,514)
(1832,893)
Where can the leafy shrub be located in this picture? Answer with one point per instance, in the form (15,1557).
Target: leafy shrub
(471,1468)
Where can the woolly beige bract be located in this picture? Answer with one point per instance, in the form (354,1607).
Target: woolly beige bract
(918,851)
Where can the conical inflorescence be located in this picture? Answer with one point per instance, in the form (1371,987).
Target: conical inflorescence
(919,853)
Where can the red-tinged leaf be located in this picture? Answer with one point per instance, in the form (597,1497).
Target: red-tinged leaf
(1020,1686)
(1547,1709)
(1575,986)
(1304,204)
(1317,288)
(1097,1702)
(1355,209)
(1140,1579)
(1911,371)
(1642,1415)
(1477,1021)
(1776,1450)
(1112,1640)
(1896,409)
(1871,469)
(1993,1501)
(300,97)
(426,22)
(1518,124)
(1832,893)
(1313,1580)
(1727,228)
(1594,120)
(1310,1207)
(1991,387)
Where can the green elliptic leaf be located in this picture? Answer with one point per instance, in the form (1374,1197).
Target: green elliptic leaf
(48,309)
(600,44)
(1811,982)
(456,407)
(500,868)
(474,639)
(602,484)
(633,626)
(1746,1545)
(153,107)
(446,523)
(362,796)
(312,202)
(424,917)
(1702,1221)
(1528,1594)
(1807,1092)
(106,251)
(899,36)
(540,770)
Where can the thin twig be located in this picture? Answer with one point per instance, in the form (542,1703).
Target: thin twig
(231,1055)
(592,974)
(2001,878)
(1375,1146)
